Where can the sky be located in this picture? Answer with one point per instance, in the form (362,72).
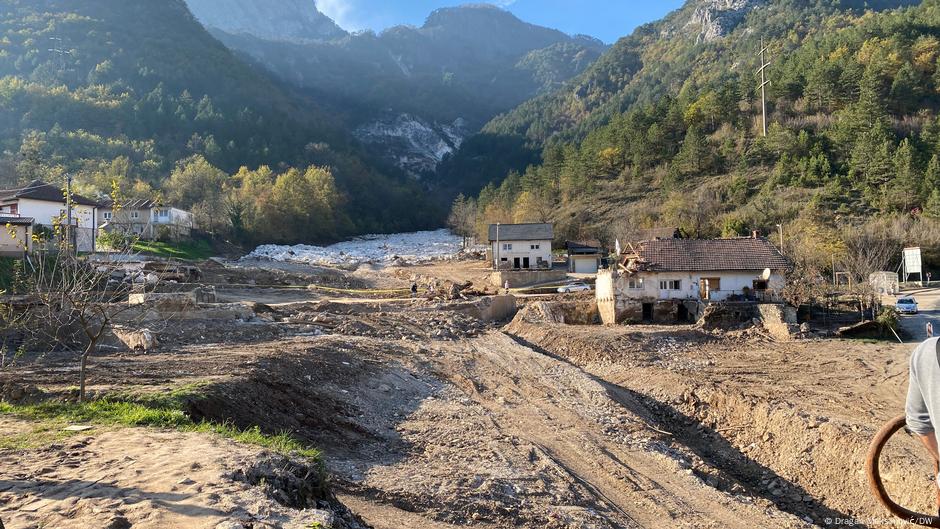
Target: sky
(607,20)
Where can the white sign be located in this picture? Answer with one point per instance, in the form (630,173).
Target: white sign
(912,262)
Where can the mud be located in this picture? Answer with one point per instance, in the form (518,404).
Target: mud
(430,416)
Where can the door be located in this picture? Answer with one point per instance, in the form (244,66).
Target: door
(516,263)
(709,287)
(525,263)
(585,266)
(648,312)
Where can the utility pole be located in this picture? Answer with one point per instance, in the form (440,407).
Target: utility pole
(780,227)
(763,84)
(68,212)
(496,253)
(60,52)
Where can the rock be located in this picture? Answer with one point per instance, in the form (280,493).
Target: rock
(228,524)
(717,18)
(136,340)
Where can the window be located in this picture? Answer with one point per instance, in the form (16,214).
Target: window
(535,246)
(635,283)
(135,214)
(163,213)
(670,284)
(507,247)
(106,215)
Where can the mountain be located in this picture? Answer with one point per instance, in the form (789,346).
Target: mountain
(428,87)
(703,41)
(138,91)
(666,129)
(287,20)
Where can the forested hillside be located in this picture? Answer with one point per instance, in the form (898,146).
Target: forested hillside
(139,93)
(853,130)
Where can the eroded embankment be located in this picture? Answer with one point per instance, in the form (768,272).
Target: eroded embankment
(770,441)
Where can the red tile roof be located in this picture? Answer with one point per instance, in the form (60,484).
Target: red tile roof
(705,255)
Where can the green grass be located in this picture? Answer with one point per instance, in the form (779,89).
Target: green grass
(186,250)
(153,410)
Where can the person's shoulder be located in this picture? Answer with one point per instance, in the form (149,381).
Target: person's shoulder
(929,346)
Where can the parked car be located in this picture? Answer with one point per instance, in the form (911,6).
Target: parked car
(906,306)
(574,287)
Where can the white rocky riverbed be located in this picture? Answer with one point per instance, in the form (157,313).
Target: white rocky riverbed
(408,247)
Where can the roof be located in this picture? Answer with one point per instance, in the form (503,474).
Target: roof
(39,190)
(702,255)
(522,232)
(593,246)
(16,221)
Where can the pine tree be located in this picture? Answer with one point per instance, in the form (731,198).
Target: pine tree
(932,207)
(931,178)
(903,192)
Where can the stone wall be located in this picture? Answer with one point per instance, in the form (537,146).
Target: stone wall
(526,278)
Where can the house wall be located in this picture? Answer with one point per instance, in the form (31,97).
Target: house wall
(15,240)
(46,213)
(732,283)
(617,302)
(147,225)
(523,249)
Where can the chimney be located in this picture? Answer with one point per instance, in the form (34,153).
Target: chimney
(755,234)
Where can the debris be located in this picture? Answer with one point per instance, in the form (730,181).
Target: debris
(77,428)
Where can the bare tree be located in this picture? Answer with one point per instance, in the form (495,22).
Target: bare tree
(867,249)
(463,218)
(74,302)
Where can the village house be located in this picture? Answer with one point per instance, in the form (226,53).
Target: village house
(521,246)
(667,280)
(584,257)
(46,205)
(147,219)
(16,235)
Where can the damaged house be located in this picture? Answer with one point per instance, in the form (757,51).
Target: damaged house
(673,280)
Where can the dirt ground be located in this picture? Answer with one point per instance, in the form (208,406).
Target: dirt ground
(432,418)
(143,479)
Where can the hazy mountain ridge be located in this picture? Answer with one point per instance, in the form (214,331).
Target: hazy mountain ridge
(288,20)
(464,63)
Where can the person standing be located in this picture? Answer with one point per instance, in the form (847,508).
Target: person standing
(922,409)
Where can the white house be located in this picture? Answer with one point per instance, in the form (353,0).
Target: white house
(147,219)
(46,204)
(521,246)
(678,275)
